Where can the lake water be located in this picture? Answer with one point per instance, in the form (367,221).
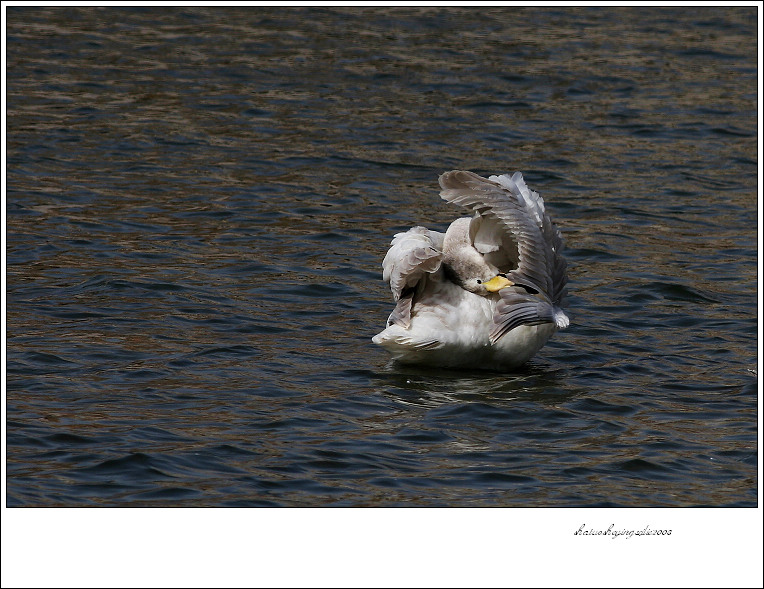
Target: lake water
(199,201)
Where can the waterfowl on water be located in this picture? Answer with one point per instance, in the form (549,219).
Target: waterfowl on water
(487,293)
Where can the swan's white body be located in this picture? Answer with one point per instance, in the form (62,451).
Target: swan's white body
(445,315)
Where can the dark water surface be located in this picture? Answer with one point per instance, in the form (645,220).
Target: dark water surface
(199,200)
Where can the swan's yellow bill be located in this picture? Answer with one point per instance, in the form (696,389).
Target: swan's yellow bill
(497,283)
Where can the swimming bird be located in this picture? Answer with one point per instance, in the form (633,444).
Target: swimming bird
(487,293)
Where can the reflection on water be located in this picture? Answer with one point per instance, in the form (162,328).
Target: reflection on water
(199,200)
(432,387)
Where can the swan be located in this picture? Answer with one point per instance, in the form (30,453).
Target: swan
(487,293)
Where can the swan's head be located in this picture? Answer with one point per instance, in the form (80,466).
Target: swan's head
(467,267)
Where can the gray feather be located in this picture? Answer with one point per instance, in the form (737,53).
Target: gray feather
(515,309)
(401,315)
(520,214)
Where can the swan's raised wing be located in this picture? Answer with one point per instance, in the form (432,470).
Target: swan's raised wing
(521,308)
(412,256)
(512,230)
(555,263)
(510,215)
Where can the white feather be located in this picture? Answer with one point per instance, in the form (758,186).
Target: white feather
(445,318)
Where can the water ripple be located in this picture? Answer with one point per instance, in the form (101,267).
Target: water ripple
(198,203)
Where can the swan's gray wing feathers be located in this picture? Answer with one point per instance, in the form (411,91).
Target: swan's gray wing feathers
(511,225)
(412,256)
(508,208)
(515,309)
(401,315)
